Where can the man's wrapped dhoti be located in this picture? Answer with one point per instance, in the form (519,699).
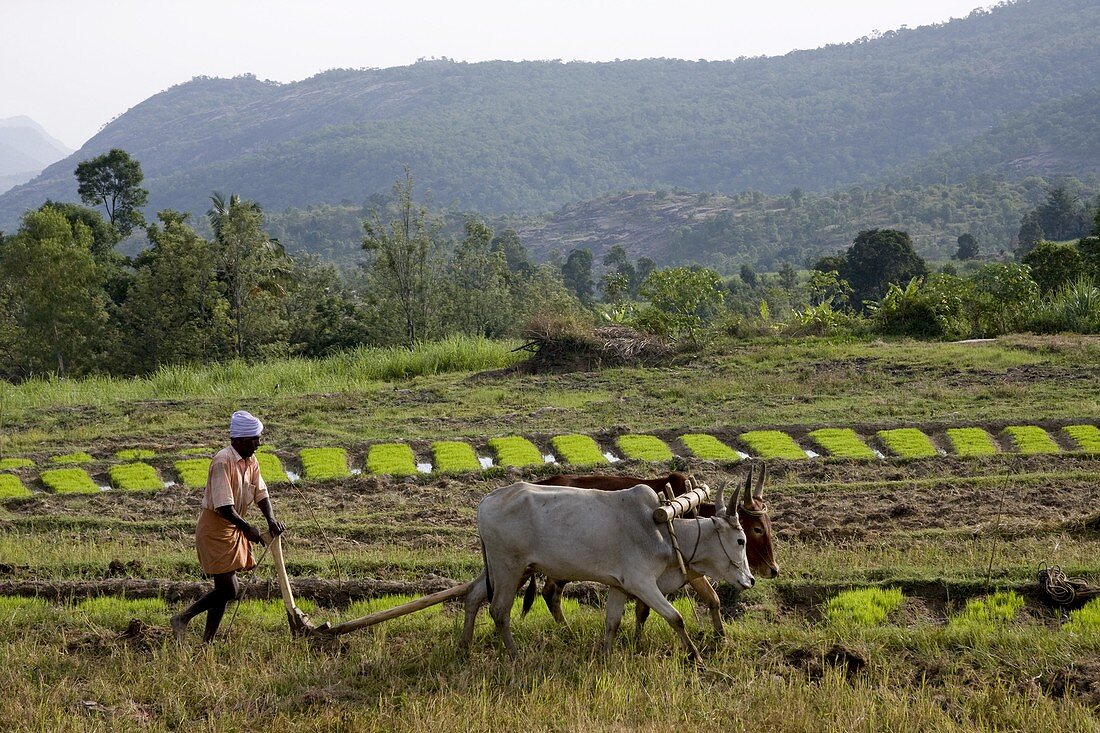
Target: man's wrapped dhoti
(222,546)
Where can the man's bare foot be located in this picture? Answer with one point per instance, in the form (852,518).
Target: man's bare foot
(179,628)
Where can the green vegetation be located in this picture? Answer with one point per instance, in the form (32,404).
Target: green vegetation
(577,450)
(271,468)
(116,613)
(69,481)
(515,451)
(1086,436)
(391,459)
(842,443)
(983,614)
(69,458)
(321,464)
(971,442)
(453,456)
(708,447)
(772,444)
(135,477)
(644,448)
(1085,620)
(908,443)
(11,487)
(1031,440)
(10,463)
(135,454)
(193,472)
(863,607)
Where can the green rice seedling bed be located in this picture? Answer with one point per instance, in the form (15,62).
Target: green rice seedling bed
(971,442)
(320,464)
(135,454)
(69,481)
(135,477)
(391,459)
(1086,436)
(863,607)
(9,463)
(69,458)
(515,451)
(193,472)
(1086,619)
(271,468)
(578,450)
(1031,440)
(842,443)
(11,487)
(983,614)
(908,443)
(453,456)
(708,447)
(644,448)
(772,444)
(198,451)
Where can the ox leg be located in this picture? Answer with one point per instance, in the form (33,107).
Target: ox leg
(500,608)
(616,603)
(641,613)
(552,592)
(475,598)
(710,597)
(652,596)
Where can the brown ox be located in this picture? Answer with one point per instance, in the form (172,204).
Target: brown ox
(751,510)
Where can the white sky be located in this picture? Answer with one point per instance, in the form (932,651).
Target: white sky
(73,65)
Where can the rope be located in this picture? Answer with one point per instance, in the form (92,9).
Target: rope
(324,536)
(1064,591)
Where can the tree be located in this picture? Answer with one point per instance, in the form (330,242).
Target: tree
(617,261)
(515,254)
(681,300)
(1061,215)
(877,259)
(1053,265)
(968,247)
(748,275)
(577,274)
(1030,234)
(482,302)
(114,181)
(1004,297)
(788,278)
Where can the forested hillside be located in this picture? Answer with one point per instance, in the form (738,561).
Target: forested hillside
(502,137)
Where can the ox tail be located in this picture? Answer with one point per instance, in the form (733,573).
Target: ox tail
(488,582)
(529,596)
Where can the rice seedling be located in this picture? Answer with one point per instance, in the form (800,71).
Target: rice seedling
(908,443)
(10,463)
(319,464)
(452,456)
(1031,440)
(971,442)
(772,444)
(644,448)
(11,487)
(72,458)
(515,451)
(842,443)
(708,447)
(271,468)
(1087,438)
(863,607)
(983,614)
(135,454)
(193,472)
(392,459)
(69,481)
(135,477)
(198,451)
(1086,619)
(578,450)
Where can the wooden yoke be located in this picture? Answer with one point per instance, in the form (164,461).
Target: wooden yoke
(681,505)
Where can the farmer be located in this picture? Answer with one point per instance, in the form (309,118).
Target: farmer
(224,537)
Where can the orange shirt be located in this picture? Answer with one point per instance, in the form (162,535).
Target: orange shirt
(233,480)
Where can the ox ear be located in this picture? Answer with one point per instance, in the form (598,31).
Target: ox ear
(719,507)
(758,492)
(747,500)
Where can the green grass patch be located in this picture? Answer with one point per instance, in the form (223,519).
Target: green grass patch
(772,444)
(69,481)
(9,463)
(193,472)
(1031,440)
(708,447)
(70,458)
(842,443)
(971,442)
(320,464)
(271,468)
(117,612)
(908,443)
(1085,619)
(983,614)
(644,448)
(515,451)
(453,456)
(135,454)
(11,487)
(198,451)
(578,450)
(135,477)
(1086,436)
(391,459)
(863,607)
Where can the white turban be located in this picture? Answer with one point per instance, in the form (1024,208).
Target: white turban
(244,425)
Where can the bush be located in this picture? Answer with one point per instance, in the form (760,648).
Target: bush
(931,309)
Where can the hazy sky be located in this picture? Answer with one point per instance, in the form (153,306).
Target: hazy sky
(73,65)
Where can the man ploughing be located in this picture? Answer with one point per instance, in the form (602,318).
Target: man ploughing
(223,538)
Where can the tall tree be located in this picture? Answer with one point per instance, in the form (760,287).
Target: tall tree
(968,247)
(482,302)
(877,259)
(617,261)
(1030,234)
(1061,216)
(1053,265)
(577,274)
(508,243)
(113,180)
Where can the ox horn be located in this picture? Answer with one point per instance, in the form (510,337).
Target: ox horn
(747,500)
(758,492)
(719,507)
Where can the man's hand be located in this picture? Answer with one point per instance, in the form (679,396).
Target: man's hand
(275,527)
(253,534)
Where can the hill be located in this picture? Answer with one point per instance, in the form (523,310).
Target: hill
(25,149)
(502,137)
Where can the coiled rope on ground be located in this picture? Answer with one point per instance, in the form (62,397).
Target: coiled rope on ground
(1063,590)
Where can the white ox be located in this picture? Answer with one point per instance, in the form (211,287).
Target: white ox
(605,536)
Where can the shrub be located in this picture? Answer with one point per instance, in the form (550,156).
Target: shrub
(9,463)
(842,442)
(135,454)
(578,450)
(772,444)
(982,614)
(515,451)
(320,464)
(931,308)
(1086,436)
(1031,440)
(1085,619)
(193,471)
(11,487)
(78,457)
(69,481)
(709,448)
(452,456)
(971,442)
(908,443)
(864,607)
(644,448)
(271,468)
(134,477)
(393,459)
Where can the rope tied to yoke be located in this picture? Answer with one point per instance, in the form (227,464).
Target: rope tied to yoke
(1064,590)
